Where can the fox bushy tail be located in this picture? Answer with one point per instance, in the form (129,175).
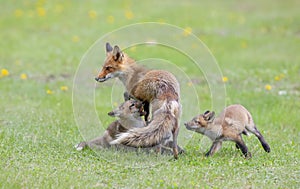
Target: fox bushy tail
(159,128)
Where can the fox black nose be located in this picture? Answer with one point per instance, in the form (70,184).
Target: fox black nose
(111,113)
(97,78)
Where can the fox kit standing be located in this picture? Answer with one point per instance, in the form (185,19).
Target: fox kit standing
(129,114)
(157,88)
(233,121)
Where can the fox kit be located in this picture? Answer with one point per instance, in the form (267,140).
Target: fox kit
(156,88)
(233,121)
(129,114)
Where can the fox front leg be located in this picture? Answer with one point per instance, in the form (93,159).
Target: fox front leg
(242,146)
(126,96)
(216,146)
(81,146)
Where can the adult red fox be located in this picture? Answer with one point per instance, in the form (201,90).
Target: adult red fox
(233,121)
(156,88)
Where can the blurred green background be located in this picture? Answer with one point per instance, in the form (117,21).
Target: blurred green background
(256,44)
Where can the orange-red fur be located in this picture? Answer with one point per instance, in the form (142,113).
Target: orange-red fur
(158,88)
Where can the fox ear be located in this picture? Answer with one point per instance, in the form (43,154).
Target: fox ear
(211,116)
(117,54)
(108,48)
(206,112)
(208,115)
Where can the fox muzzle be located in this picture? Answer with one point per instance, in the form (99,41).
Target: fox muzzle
(112,114)
(100,79)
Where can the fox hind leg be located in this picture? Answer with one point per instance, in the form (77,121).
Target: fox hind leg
(147,110)
(175,134)
(264,144)
(256,132)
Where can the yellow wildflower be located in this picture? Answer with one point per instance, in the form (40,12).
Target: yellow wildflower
(64,88)
(75,38)
(244,44)
(49,91)
(18,13)
(224,79)
(279,77)
(268,87)
(4,72)
(23,76)
(41,11)
(190,83)
(92,14)
(128,14)
(187,31)
(110,19)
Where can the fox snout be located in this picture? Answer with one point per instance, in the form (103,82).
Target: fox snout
(112,114)
(188,125)
(99,79)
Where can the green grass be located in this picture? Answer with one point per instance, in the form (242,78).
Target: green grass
(253,42)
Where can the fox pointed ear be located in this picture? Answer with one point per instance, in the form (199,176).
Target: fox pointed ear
(206,112)
(108,48)
(208,115)
(211,116)
(117,54)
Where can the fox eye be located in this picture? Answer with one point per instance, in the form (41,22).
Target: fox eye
(108,67)
(198,122)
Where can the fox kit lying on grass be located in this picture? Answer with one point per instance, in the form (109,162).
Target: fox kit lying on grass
(157,88)
(129,114)
(233,121)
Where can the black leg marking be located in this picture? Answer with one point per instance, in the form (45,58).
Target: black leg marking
(264,144)
(146,109)
(243,148)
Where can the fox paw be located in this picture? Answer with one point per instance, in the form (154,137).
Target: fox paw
(80,146)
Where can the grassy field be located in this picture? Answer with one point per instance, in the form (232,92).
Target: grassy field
(256,47)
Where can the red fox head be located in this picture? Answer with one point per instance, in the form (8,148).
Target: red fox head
(129,108)
(113,64)
(200,121)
